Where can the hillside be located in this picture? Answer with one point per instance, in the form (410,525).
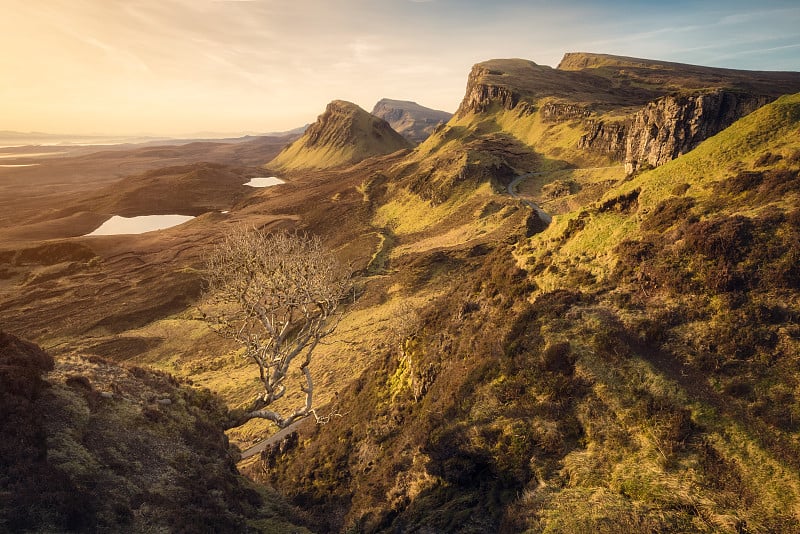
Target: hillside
(90,446)
(414,122)
(343,135)
(628,367)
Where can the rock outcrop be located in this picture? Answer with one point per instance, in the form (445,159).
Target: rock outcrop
(481,93)
(342,125)
(414,122)
(673,125)
(605,137)
(343,135)
(558,112)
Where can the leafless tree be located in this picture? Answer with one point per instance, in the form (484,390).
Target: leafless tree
(277,295)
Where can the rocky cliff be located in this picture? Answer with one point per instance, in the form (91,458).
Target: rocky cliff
(344,134)
(673,125)
(627,109)
(558,112)
(605,137)
(481,93)
(414,122)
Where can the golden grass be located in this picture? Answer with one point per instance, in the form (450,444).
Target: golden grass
(408,214)
(646,473)
(774,127)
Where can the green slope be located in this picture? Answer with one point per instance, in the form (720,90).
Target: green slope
(638,376)
(345,134)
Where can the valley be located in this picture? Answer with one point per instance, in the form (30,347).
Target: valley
(575,309)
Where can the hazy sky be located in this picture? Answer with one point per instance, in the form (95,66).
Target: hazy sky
(171,67)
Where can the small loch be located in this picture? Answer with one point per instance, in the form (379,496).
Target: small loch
(117,225)
(266,181)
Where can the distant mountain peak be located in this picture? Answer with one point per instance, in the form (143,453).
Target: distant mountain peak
(409,119)
(344,134)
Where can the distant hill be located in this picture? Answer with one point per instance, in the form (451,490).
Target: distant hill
(343,135)
(414,122)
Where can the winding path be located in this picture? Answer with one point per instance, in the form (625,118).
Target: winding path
(512,190)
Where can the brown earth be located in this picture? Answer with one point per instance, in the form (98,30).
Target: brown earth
(56,286)
(33,199)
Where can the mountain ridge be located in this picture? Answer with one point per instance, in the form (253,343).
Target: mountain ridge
(343,135)
(411,120)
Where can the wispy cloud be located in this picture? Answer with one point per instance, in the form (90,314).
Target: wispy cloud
(182,65)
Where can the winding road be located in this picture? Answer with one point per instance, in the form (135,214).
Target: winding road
(512,190)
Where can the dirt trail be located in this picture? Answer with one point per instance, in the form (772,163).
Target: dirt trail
(544,216)
(512,190)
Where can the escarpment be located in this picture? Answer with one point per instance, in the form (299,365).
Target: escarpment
(674,125)
(608,138)
(636,111)
(557,112)
(481,94)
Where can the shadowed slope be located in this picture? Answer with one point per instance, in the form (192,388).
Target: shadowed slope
(409,119)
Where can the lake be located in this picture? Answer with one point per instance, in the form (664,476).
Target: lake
(265,181)
(117,225)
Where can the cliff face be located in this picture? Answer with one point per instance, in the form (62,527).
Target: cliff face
(480,94)
(558,112)
(673,125)
(624,109)
(414,122)
(607,138)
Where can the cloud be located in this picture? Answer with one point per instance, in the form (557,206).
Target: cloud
(228,64)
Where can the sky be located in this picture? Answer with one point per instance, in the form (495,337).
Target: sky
(184,67)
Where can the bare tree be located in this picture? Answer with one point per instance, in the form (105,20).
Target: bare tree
(278,295)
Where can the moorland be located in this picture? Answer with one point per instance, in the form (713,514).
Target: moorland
(626,364)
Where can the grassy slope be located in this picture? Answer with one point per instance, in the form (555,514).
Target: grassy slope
(642,390)
(669,337)
(104,447)
(298,156)
(773,128)
(303,154)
